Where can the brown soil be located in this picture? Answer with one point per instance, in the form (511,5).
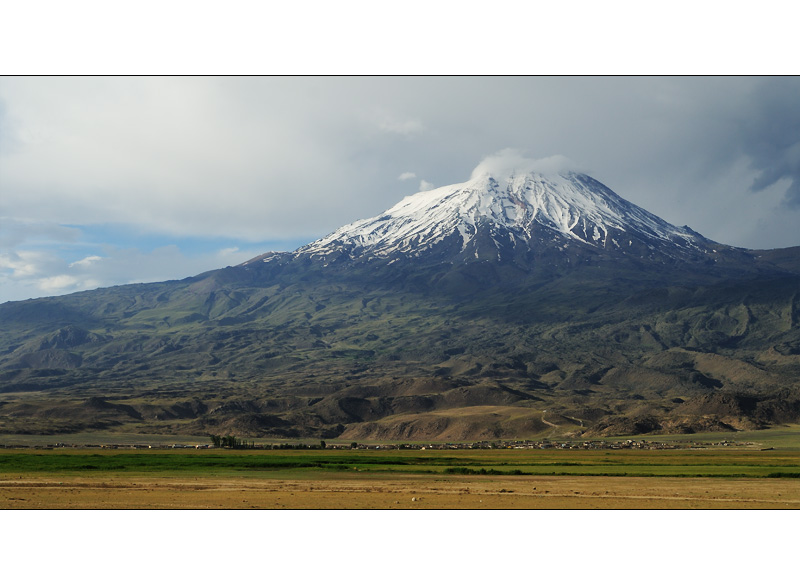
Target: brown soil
(395,492)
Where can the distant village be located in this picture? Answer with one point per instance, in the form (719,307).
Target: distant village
(601,445)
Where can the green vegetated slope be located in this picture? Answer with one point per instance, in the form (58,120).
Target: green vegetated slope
(472,351)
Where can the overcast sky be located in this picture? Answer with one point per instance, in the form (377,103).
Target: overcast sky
(110,180)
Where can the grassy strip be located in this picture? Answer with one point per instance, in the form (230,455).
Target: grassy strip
(229,462)
(156,462)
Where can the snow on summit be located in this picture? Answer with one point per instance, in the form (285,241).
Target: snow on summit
(508,193)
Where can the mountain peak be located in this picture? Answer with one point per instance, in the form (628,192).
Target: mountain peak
(513,202)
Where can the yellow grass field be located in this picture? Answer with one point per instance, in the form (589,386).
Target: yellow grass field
(397,492)
(755,475)
(400,493)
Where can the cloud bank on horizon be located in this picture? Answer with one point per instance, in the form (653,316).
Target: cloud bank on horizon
(112,180)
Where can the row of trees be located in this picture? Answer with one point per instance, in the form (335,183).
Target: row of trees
(230,442)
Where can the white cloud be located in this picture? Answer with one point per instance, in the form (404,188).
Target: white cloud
(512,161)
(86,261)
(406,176)
(425,185)
(24,263)
(57,283)
(34,273)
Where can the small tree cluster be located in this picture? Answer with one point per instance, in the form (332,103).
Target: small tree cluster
(230,442)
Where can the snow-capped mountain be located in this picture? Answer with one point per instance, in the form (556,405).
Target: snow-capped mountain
(489,215)
(460,313)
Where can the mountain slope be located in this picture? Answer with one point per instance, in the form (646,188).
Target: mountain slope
(519,208)
(532,225)
(462,312)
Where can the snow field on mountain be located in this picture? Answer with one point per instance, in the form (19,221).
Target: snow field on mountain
(571,204)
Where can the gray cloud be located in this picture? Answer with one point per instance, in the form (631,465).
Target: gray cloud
(771,135)
(8,140)
(293,158)
(14,232)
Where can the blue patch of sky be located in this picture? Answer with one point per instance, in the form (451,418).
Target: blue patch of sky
(96,240)
(125,237)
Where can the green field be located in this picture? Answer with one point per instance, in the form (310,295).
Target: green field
(772,453)
(734,463)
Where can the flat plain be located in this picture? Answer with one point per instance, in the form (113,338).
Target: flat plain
(744,477)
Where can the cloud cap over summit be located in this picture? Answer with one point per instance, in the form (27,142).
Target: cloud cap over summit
(510,162)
